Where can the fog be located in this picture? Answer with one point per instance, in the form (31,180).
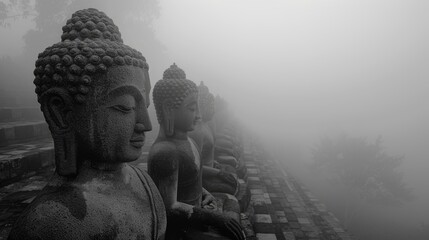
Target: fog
(292,71)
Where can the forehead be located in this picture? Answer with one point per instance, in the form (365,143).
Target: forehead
(122,80)
(191,98)
(127,75)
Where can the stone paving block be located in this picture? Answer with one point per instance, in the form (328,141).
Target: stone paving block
(282,219)
(263,218)
(266,236)
(291,217)
(255,179)
(256,191)
(260,208)
(264,227)
(252,171)
(280,213)
(298,233)
(289,236)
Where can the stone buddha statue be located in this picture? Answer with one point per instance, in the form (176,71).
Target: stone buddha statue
(93,91)
(228,145)
(175,166)
(214,179)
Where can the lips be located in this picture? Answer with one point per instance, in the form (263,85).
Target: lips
(137,142)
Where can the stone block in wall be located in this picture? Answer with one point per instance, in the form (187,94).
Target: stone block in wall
(20,114)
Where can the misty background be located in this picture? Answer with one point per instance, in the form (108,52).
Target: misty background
(293,71)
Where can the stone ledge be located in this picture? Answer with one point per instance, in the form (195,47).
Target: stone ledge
(24,160)
(20,114)
(16,132)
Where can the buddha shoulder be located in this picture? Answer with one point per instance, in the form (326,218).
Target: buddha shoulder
(163,158)
(52,215)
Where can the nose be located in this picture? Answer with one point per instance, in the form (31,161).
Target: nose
(143,123)
(198,117)
(139,128)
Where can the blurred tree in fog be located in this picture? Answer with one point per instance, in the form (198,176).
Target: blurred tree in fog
(13,10)
(134,17)
(363,169)
(50,15)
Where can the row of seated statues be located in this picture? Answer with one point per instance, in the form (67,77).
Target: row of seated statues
(94,92)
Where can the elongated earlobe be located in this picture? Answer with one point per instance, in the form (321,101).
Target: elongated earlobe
(168,122)
(169,126)
(56,104)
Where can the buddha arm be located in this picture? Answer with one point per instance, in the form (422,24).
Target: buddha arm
(210,171)
(229,160)
(163,168)
(224,150)
(168,188)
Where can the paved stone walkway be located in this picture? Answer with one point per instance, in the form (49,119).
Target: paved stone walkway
(280,208)
(285,210)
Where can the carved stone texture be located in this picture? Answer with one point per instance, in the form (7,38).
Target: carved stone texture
(93,92)
(214,179)
(174,164)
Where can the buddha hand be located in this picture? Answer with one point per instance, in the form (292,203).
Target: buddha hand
(227,177)
(216,164)
(208,201)
(229,227)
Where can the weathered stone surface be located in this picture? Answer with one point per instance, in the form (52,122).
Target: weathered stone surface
(175,165)
(25,159)
(93,91)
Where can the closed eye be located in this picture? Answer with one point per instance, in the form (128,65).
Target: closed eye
(122,108)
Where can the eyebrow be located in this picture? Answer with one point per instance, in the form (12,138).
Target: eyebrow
(123,90)
(192,103)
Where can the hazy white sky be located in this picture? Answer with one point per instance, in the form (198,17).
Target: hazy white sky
(322,54)
(297,69)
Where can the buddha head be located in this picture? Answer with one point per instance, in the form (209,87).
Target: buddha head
(205,102)
(176,101)
(93,91)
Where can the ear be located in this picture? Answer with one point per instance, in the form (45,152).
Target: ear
(56,105)
(168,114)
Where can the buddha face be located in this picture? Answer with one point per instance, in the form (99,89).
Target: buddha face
(112,123)
(187,114)
(208,111)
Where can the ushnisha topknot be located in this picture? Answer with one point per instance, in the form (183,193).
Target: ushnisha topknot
(174,72)
(205,101)
(90,44)
(173,86)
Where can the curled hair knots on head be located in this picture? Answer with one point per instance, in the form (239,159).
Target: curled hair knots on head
(91,23)
(205,101)
(72,63)
(174,89)
(203,92)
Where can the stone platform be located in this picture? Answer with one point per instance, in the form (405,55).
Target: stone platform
(280,208)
